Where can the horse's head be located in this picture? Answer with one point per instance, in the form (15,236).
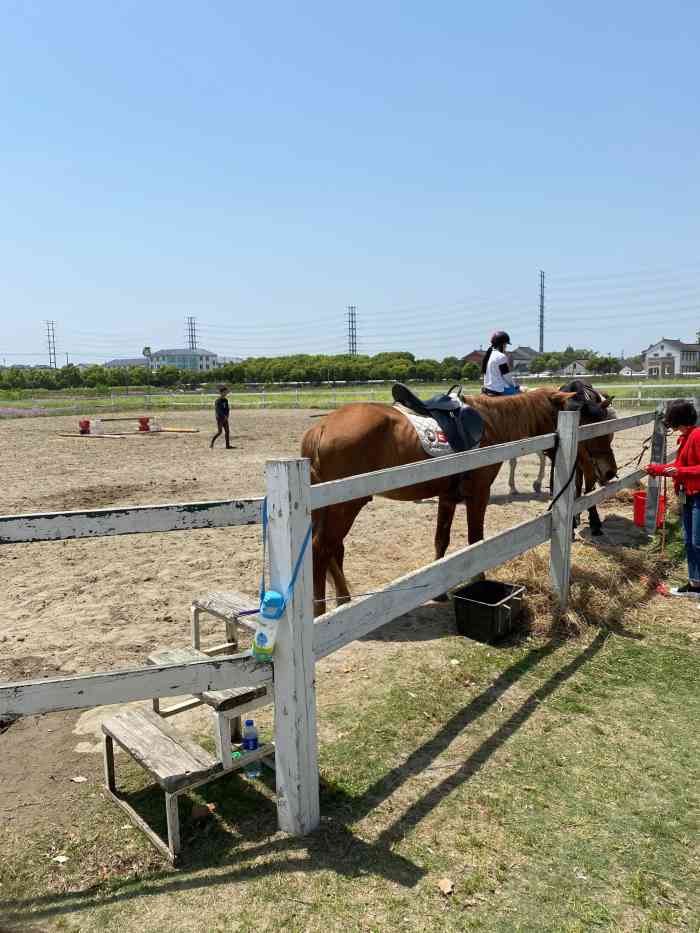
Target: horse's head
(595,455)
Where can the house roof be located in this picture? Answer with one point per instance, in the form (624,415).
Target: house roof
(675,343)
(184,351)
(527,352)
(132,361)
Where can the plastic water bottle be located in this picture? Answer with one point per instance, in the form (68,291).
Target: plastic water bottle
(250,744)
(271,611)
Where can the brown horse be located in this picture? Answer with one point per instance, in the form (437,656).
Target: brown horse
(367,436)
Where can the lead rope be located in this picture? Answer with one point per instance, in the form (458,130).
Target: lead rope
(295,571)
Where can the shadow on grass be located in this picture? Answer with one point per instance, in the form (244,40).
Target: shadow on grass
(246,814)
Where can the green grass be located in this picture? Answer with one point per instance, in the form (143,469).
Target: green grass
(96,402)
(555,784)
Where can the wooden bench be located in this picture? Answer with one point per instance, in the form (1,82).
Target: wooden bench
(174,761)
(229,607)
(228,706)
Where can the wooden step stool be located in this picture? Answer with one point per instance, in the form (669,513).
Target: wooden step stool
(227,607)
(174,761)
(228,706)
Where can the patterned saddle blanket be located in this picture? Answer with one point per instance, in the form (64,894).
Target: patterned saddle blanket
(444,424)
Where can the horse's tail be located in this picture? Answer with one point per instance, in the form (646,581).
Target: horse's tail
(311,448)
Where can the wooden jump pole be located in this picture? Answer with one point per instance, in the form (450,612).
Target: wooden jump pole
(563,508)
(296,740)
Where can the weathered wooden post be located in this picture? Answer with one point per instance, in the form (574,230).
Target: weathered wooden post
(563,492)
(296,744)
(658,455)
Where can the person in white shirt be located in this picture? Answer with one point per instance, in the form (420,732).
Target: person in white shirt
(495,367)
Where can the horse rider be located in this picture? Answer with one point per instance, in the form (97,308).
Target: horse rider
(495,368)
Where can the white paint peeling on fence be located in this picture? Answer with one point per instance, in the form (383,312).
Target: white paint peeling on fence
(350,622)
(102,689)
(95,523)
(381,481)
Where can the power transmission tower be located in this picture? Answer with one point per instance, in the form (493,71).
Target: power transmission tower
(541,311)
(51,341)
(191,333)
(352,330)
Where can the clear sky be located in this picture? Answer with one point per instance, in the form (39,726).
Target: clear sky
(261,167)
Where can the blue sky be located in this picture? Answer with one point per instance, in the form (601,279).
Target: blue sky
(261,168)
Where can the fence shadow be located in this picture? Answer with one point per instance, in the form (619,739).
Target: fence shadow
(246,813)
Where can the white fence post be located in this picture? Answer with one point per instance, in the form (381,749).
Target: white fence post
(296,743)
(658,455)
(563,508)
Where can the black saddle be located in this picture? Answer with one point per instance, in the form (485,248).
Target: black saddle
(462,425)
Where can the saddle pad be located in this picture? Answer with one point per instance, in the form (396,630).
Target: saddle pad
(433,441)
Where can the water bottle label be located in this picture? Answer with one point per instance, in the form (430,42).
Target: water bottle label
(250,744)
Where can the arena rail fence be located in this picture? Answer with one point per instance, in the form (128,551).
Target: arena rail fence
(303,640)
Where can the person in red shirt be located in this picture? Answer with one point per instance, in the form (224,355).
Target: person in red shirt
(685,471)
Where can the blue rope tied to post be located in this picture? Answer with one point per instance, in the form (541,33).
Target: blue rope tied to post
(277,603)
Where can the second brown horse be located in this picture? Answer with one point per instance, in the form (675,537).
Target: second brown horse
(368,436)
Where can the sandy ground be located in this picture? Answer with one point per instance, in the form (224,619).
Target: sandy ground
(78,606)
(104,603)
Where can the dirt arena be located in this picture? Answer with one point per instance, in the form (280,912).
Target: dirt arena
(77,606)
(73,606)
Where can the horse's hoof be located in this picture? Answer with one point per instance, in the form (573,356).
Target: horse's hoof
(442,598)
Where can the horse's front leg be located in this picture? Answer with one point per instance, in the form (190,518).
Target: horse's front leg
(511,477)
(443,528)
(537,484)
(445,516)
(594,521)
(478,499)
(579,487)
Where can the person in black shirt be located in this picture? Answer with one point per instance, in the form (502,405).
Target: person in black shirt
(221,410)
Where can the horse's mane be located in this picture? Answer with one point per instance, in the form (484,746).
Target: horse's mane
(512,417)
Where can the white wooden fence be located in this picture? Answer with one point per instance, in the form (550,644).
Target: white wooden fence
(302,641)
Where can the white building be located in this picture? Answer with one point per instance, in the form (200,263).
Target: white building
(671,358)
(577,368)
(196,360)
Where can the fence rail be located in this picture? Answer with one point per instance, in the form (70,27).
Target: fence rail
(411,474)
(141,519)
(301,641)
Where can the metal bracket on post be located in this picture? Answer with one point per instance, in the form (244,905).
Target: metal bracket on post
(563,509)
(658,455)
(296,742)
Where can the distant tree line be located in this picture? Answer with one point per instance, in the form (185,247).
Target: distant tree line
(301,368)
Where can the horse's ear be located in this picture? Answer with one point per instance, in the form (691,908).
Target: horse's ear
(607,401)
(559,399)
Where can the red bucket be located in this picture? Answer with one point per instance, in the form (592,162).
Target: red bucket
(84,425)
(640,505)
(144,424)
